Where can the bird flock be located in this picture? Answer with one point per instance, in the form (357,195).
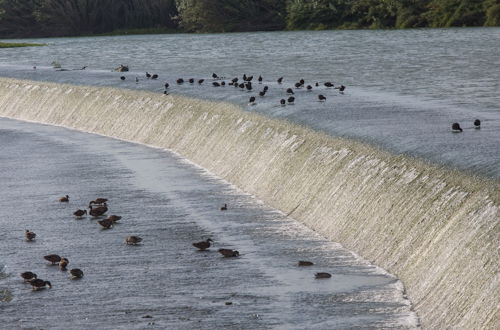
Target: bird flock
(97,208)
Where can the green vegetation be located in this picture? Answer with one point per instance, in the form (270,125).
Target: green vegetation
(46,18)
(18,44)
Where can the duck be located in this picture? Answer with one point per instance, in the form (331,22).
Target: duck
(229,253)
(63,264)
(322,275)
(248,86)
(167,85)
(309,87)
(28,276)
(302,81)
(191,80)
(289,91)
(79,213)
(148,75)
(303,263)
(215,84)
(251,101)
(298,85)
(203,245)
(249,78)
(262,93)
(215,76)
(266,88)
(328,84)
(133,240)
(201,81)
(76,273)
(223,83)
(98,211)
(64,199)
(260,79)
(53,258)
(455,128)
(98,201)
(180,81)
(341,89)
(155,76)
(283,102)
(291,99)
(29,235)
(122,78)
(114,218)
(280,80)
(321,98)
(38,284)
(224,207)
(477,124)
(106,223)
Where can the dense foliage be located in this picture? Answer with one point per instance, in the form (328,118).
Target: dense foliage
(23,18)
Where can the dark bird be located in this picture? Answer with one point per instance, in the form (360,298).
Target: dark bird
(216,84)
(298,85)
(251,100)
(244,77)
(280,80)
(262,94)
(477,123)
(455,127)
(155,76)
(341,88)
(265,88)
(136,80)
(98,201)
(289,91)
(215,76)
(180,81)
(302,81)
(321,98)
(309,87)
(229,253)
(291,99)
(248,86)
(201,81)
(167,85)
(282,101)
(98,211)
(114,218)
(260,79)
(235,80)
(203,245)
(122,77)
(63,264)
(305,263)
(249,78)
(242,85)
(38,284)
(316,84)
(64,199)
(28,276)
(53,258)
(79,213)
(148,75)
(328,84)
(165,93)
(29,235)
(224,207)
(223,83)
(76,273)
(133,240)
(106,223)
(322,275)
(191,80)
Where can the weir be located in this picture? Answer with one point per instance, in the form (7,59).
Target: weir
(435,228)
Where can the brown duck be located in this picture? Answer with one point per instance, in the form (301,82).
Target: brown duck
(79,213)
(305,263)
(98,201)
(322,275)
(28,276)
(114,218)
(133,240)
(29,235)
(53,258)
(64,199)
(203,245)
(106,223)
(98,211)
(63,263)
(76,273)
(38,284)
(229,253)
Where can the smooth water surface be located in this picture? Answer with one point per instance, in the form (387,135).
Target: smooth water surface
(165,283)
(404,88)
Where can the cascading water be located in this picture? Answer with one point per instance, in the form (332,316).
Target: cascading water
(434,228)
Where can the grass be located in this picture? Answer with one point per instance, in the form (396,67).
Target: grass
(18,44)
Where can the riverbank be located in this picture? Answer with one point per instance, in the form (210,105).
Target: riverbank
(19,44)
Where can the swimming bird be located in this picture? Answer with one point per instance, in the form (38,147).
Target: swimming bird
(316,84)
(249,78)
(224,207)
(64,199)
(280,80)
(216,84)
(223,83)
(133,240)
(328,84)
(302,81)
(203,245)
(262,94)
(136,80)
(260,79)
(180,81)
(114,218)
(242,85)
(309,87)
(106,223)
(79,213)
(305,263)
(235,80)
(248,86)
(215,76)
(283,102)
(321,98)
(251,101)
(322,275)
(63,264)
(266,88)
(29,235)
(341,89)
(477,123)
(155,76)
(148,75)
(291,99)
(28,276)
(244,77)
(98,211)
(455,127)
(229,253)
(53,258)
(167,85)
(191,80)
(201,81)
(289,91)
(298,85)
(76,273)
(98,201)
(122,78)
(38,284)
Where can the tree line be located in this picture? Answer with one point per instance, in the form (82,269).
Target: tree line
(46,18)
